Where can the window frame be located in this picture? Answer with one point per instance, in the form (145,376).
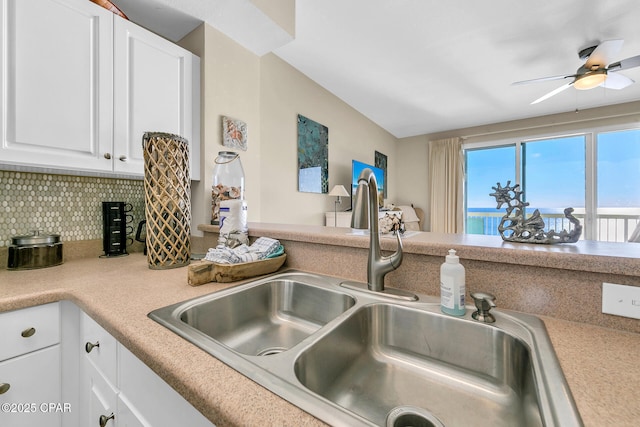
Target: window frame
(590,134)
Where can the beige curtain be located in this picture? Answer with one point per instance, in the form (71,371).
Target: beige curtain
(446,177)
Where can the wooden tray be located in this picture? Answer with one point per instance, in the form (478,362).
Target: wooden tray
(206,271)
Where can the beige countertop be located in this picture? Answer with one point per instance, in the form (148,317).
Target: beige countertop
(601,365)
(585,255)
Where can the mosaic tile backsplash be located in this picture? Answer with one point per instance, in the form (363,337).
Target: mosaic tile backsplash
(62,204)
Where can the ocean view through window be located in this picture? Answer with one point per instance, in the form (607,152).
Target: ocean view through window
(596,173)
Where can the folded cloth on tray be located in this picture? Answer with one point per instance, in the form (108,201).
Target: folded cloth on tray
(262,248)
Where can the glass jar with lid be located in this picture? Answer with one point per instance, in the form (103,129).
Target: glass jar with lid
(228,182)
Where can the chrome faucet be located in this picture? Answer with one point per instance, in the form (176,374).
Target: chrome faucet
(365,215)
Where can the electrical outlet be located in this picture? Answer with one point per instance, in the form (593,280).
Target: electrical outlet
(621,300)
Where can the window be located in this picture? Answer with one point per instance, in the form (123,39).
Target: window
(596,173)
(484,168)
(618,185)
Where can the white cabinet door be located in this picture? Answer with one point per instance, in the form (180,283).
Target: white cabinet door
(98,401)
(147,394)
(153,92)
(33,382)
(56,70)
(128,417)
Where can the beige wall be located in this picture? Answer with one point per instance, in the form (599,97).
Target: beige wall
(230,86)
(267,94)
(282,12)
(412,168)
(285,93)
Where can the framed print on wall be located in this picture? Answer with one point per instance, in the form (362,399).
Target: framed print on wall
(234,133)
(381,162)
(313,156)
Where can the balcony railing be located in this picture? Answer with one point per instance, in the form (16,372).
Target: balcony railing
(610,227)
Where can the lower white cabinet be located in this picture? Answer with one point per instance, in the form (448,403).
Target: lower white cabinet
(98,405)
(34,389)
(98,348)
(30,367)
(123,391)
(59,368)
(129,417)
(150,400)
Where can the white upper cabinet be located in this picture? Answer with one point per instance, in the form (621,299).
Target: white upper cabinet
(153,92)
(81,86)
(57,76)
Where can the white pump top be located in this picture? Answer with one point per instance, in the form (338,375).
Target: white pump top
(452,258)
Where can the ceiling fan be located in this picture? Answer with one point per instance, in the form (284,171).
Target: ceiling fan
(595,71)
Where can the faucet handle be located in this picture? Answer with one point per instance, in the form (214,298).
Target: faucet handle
(484,303)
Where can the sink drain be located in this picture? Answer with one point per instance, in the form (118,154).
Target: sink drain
(271,351)
(411,416)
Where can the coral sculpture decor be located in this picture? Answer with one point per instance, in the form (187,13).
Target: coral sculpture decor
(515,227)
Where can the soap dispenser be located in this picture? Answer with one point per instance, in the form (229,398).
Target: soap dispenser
(452,288)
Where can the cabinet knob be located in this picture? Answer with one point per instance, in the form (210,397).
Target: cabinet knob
(90,346)
(4,387)
(123,158)
(107,156)
(29,332)
(104,419)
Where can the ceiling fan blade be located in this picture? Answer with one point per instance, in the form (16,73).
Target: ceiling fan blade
(616,81)
(542,79)
(552,93)
(625,64)
(603,54)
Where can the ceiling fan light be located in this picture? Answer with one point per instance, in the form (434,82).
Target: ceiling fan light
(590,80)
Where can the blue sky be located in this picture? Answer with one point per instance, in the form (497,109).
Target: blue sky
(555,172)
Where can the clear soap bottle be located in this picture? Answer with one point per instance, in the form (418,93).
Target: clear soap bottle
(452,285)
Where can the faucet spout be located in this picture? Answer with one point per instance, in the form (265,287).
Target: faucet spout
(365,216)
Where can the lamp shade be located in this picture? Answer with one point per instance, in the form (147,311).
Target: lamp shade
(339,190)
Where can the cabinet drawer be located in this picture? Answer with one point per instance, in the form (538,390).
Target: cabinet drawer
(29,329)
(101,346)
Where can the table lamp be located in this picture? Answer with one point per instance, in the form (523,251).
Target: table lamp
(338,191)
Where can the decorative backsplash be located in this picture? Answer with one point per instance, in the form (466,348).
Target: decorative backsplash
(62,204)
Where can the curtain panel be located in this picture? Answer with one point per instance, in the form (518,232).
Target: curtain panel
(446,177)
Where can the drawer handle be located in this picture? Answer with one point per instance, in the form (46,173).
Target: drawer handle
(29,332)
(4,387)
(104,419)
(90,346)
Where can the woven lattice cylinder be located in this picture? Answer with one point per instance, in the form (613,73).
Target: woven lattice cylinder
(167,189)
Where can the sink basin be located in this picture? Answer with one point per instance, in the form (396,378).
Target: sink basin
(358,358)
(387,355)
(265,319)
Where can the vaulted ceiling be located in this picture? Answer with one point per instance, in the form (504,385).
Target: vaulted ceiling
(424,66)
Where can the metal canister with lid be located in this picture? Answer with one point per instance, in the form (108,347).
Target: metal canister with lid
(35,250)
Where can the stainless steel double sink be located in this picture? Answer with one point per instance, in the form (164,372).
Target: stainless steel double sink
(354,358)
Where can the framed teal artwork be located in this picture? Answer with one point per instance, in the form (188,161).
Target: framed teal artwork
(381,162)
(313,156)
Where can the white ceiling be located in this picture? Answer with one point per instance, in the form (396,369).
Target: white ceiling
(424,66)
